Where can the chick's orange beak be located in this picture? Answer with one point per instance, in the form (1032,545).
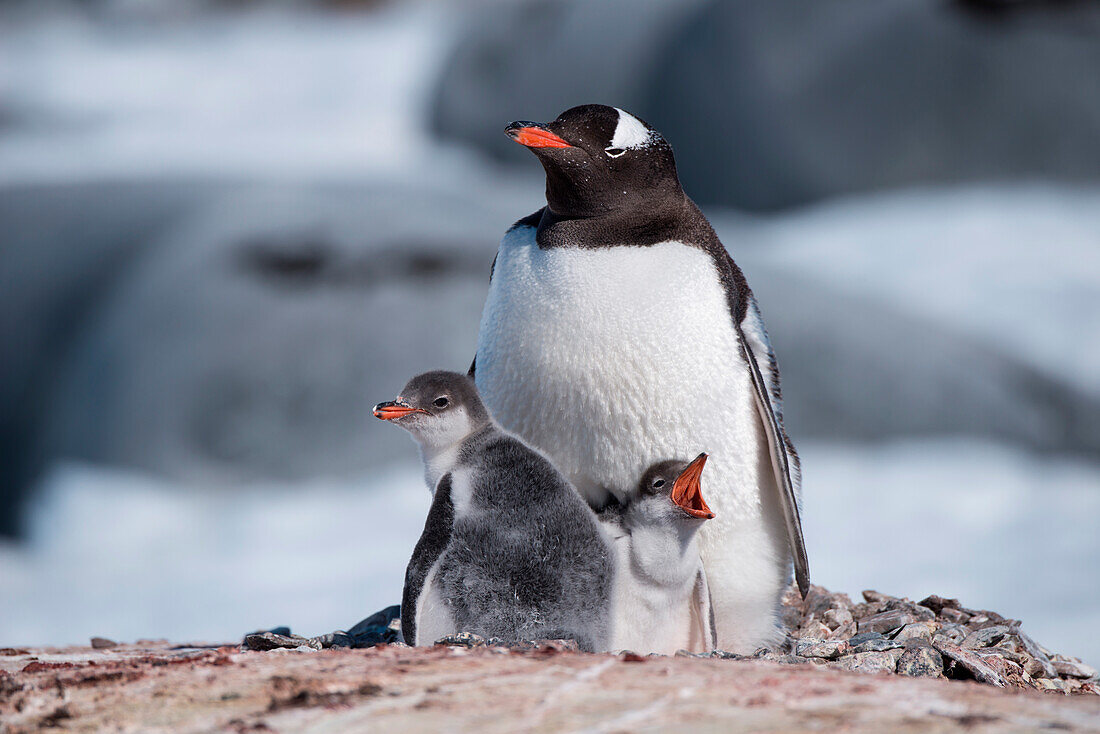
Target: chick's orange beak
(394,409)
(687,490)
(534,135)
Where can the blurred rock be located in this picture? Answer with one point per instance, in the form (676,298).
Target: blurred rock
(950,632)
(65,248)
(272,641)
(877,644)
(917,631)
(221,333)
(253,341)
(920,661)
(777,104)
(870,662)
(972,664)
(462,639)
(885,622)
(985,637)
(828,649)
(339,638)
(1074,669)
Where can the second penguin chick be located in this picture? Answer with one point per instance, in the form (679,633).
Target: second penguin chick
(662,600)
(509,549)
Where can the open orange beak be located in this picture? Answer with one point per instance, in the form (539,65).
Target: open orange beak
(687,491)
(534,135)
(394,409)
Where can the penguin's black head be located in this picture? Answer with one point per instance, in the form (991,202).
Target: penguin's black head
(600,160)
(677,485)
(438,408)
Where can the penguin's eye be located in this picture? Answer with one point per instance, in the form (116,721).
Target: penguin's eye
(441,402)
(658,483)
(614,152)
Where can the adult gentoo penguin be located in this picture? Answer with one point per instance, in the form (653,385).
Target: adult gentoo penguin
(618,332)
(509,548)
(662,599)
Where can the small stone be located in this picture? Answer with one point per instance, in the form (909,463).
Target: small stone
(273,641)
(879,644)
(863,637)
(838,617)
(462,639)
(937,603)
(919,613)
(1074,669)
(1004,652)
(1053,684)
(869,662)
(1038,653)
(920,661)
(885,621)
(827,649)
(339,638)
(690,654)
(1035,668)
(967,660)
(102,643)
(956,616)
(917,631)
(873,597)
(985,637)
(791,616)
(726,655)
(814,631)
(819,600)
(788,659)
(844,631)
(557,645)
(952,633)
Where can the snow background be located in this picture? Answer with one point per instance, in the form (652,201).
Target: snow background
(294,98)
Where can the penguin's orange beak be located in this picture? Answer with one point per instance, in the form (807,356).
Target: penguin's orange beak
(394,409)
(533,135)
(687,490)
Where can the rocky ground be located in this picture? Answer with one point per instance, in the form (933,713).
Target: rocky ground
(934,665)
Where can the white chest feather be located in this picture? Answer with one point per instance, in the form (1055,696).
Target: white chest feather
(611,359)
(654,595)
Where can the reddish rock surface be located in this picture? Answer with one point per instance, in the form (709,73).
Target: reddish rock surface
(156,687)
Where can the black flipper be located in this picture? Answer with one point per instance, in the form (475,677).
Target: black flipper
(782,466)
(433,541)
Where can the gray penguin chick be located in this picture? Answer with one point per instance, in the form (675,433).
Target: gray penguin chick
(662,600)
(509,548)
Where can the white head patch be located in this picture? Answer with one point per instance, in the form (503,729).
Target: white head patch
(630,132)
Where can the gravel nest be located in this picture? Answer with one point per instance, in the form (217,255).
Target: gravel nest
(935,638)
(932,638)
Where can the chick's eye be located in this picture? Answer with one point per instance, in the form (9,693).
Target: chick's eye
(440,402)
(614,152)
(658,483)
